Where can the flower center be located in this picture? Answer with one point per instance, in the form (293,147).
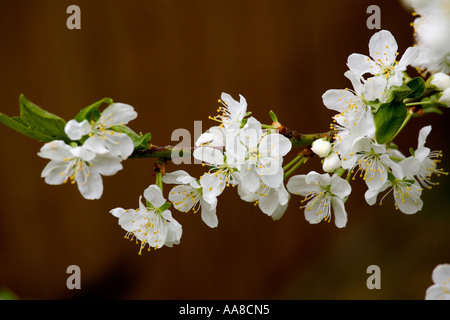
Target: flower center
(76,166)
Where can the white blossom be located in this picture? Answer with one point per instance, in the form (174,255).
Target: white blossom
(152,223)
(427,160)
(78,165)
(383,59)
(406,190)
(231,112)
(258,155)
(188,194)
(322,194)
(102,139)
(271,201)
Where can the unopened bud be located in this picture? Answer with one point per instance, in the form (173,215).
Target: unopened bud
(331,163)
(441,81)
(321,147)
(445,98)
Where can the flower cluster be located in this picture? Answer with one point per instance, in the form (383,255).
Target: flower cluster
(95,150)
(238,152)
(363,145)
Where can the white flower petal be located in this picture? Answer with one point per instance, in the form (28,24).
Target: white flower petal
(209,155)
(361,64)
(423,135)
(177,177)
(174,230)
(117,212)
(340,215)
(313,214)
(279,211)
(91,187)
(410,166)
(212,184)
(340,187)
(383,46)
(441,274)
(275,178)
(117,114)
(297,185)
(409,201)
(55,150)
(314,178)
(208,213)
(107,165)
(409,57)
(82,153)
(75,130)
(95,144)
(154,195)
(180,196)
(436,292)
(250,179)
(337,100)
(128,219)
(371,194)
(53,172)
(118,144)
(268,203)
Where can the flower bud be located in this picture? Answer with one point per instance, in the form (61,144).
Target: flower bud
(321,147)
(445,98)
(331,163)
(441,81)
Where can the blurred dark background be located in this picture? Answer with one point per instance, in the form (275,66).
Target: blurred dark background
(171,60)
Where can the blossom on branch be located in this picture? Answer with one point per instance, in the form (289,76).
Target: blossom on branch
(322,194)
(78,165)
(102,139)
(188,194)
(152,223)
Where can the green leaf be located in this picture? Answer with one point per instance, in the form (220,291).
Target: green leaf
(397,93)
(417,86)
(273,116)
(374,105)
(143,141)
(91,112)
(42,121)
(388,120)
(139,140)
(432,109)
(20,126)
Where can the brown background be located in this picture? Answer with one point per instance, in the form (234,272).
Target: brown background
(171,60)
